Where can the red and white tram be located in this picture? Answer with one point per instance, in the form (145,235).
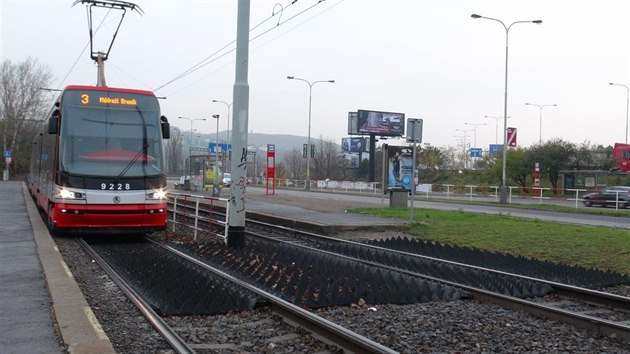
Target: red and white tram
(98,164)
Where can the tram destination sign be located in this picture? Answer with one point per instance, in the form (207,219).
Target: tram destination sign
(112,98)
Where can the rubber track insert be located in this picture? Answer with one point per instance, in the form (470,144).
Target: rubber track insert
(552,271)
(170,284)
(314,280)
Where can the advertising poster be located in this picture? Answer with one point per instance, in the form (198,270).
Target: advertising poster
(400,174)
(354,145)
(381,123)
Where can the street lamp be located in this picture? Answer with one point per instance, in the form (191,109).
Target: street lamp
(229,105)
(308,146)
(503,189)
(496,130)
(465,141)
(627,105)
(475,126)
(540,106)
(215,184)
(191,136)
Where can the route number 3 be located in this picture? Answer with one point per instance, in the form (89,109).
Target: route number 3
(85,99)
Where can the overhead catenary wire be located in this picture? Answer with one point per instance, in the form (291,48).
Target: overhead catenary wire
(262,45)
(84,48)
(218,53)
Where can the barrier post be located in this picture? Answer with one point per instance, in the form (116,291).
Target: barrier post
(471,191)
(196,219)
(174,212)
(448,189)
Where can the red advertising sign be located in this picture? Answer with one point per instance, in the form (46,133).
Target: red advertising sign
(536,176)
(511,137)
(271,168)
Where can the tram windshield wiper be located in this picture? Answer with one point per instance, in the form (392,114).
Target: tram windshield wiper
(143,151)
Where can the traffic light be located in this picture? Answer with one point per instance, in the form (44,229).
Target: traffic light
(304,150)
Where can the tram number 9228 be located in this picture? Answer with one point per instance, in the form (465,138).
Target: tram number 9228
(115,186)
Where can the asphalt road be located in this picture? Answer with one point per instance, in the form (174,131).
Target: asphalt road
(337,202)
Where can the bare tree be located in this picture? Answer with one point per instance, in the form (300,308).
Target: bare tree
(175,153)
(294,163)
(329,161)
(22,103)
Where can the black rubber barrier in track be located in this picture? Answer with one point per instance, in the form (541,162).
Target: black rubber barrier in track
(501,284)
(552,271)
(314,280)
(170,284)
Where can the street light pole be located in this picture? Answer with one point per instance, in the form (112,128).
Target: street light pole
(496,132)
(503,188)
(308,145)
(215,184)
(465,141)
(191,137)
(475,126)
(540,106)
(229,107)
(627,105)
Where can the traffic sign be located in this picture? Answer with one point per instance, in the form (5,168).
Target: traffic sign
(511,137)
(414,130)
(475,152)
(7,153)
(212,148)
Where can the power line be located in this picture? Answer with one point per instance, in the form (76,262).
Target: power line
(84,48)
(211,58)
(264,44)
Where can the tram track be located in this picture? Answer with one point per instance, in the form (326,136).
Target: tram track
(585,303)
(579,306)
(330,332)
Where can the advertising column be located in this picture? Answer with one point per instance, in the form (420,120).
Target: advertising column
(400,167)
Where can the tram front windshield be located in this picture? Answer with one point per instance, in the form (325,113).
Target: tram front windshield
(110,141)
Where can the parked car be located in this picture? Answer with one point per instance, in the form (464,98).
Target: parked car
(608,197)
(227,179)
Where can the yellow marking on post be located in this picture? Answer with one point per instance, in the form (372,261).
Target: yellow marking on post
(94,322)
(65,267)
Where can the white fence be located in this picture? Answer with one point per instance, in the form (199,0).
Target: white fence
(198,208)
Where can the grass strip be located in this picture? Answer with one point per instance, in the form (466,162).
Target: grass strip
(598,247)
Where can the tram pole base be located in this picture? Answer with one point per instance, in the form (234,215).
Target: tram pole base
(236,237)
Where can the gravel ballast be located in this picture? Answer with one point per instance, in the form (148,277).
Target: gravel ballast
(459,326)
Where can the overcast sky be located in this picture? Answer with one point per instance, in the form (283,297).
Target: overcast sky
(427,59)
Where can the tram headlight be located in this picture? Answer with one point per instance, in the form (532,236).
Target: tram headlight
(64,193)
(157,194)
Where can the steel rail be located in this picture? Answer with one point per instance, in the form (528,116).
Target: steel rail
(174,340)
(579,320)
(329,331)
(594,324)
(589,295)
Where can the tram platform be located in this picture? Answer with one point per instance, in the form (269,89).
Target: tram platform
(43,309)
(315,211)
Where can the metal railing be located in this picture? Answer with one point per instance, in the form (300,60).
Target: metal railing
(185,207)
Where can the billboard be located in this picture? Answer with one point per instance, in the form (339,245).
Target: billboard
(353,128)
(399,167)
(354,144)
(381,123)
